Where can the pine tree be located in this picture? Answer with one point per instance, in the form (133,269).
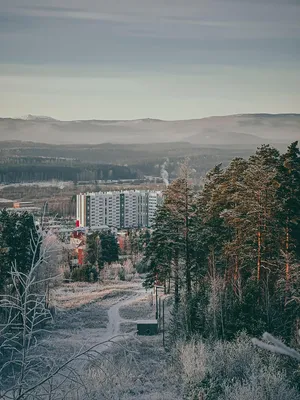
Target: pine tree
(180,202)
(160,250)
(93,255)
(102,248)
(17,235)
(109,248)
(223,247)
(289,195)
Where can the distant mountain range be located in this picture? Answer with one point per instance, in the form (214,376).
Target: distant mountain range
(242,129)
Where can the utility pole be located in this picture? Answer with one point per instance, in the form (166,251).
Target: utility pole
(156,300)
(163,318)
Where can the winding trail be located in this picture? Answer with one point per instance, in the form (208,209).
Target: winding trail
(115,320)
(113,327)
(84,328)
(97,322)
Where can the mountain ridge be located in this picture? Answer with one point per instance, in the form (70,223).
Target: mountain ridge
(236,129)
(32,117)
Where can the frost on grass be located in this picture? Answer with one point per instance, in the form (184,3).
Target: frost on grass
(139,370)
(128,327)
(78,294)
(141,309)
(263,385)
(232,371)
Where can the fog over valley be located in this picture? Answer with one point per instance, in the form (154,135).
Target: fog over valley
(244,129)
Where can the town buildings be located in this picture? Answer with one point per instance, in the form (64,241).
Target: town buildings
(118,209)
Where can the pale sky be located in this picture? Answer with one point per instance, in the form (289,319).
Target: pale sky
(168,59)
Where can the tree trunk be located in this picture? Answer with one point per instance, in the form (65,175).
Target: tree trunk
(287,261)
(287,245)
(176,279)
(259,243)
(187,259)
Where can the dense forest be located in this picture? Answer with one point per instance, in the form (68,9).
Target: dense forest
(229,254)
(146,159)
(28,170)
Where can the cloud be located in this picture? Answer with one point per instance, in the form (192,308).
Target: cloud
(50,8)
(143,38)
(286,3)
(189,11)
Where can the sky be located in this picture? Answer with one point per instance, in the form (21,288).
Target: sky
(167,59)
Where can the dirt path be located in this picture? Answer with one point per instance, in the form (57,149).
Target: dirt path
(92,323)
(125,368)
(114,319)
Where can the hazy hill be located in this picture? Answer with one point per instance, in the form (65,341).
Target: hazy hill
(246,129)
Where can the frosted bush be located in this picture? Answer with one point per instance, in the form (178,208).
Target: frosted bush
(128,266)
(116,270)
(265,384)
(193,360)
(232,360)
(234,370)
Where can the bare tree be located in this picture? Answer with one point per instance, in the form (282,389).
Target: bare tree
(26,308)
(27,369)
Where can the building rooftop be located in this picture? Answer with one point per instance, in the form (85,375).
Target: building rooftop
(121,191)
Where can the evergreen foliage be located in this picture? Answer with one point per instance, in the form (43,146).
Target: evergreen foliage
(109,248)
(17,233)
(44,169)
(85,273)
(102,248)
(93,249)
(229,253)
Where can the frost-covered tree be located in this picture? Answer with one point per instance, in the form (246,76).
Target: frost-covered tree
(232,248)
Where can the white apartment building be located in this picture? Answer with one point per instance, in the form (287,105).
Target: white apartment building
(118,209)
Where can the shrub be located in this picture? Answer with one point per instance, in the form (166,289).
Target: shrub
(233,370)
(193,360)
(234,360)
(85,274)
(121,274)
(263,384)
(141,267)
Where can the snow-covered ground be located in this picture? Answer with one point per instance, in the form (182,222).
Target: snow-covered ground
(126,367)
(120,365)
(89,314)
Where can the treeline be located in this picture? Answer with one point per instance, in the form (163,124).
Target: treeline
(146,158)
(229,254)
(200,163)
(12,160)
(31,173)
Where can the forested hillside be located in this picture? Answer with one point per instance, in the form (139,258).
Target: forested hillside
(146,159)
(27,169)
(229,254)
